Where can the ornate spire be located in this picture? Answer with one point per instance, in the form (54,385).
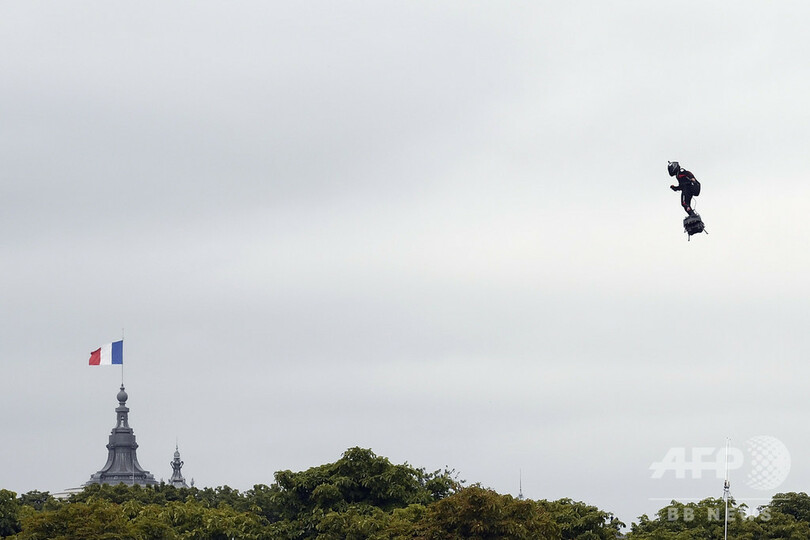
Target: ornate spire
(122,464)
(177,478)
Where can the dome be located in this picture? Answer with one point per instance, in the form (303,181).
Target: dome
(122,395)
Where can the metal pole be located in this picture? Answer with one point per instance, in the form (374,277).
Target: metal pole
(725,495)
(122,360)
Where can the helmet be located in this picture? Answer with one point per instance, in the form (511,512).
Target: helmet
(673,168)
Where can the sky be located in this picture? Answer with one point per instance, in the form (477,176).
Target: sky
(439,230)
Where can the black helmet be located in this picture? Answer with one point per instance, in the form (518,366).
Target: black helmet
(673,168)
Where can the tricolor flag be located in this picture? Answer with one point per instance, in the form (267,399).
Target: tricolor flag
(109,354)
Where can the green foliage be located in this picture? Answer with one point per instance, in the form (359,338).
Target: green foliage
(704,519)
(792,504)
(97,520)
(160,494)
(9,513)
(359,477)
(102,519)
(479,513)
(38,500)
(193,519)
(787,517)
(357,522)
(361,496)
(365,497)
(579,521)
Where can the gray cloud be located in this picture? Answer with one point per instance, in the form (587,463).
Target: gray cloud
(440,231)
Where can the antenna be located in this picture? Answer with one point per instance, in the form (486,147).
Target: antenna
(520,483)
(726,488)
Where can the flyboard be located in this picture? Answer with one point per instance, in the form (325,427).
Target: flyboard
(694,225)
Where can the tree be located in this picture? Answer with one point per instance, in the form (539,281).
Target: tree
(361,496)
(786,517)
(579,521)
(358,477)
(9,513)
(357,522)
(38,500)
(705,520)
(792,504)
(478,513)
(194,519)
(96,520)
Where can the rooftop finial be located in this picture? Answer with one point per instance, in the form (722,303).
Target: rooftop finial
(177,479)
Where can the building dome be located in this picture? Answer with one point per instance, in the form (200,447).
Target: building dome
(122,465)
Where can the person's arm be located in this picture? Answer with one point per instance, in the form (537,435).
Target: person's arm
(684,178)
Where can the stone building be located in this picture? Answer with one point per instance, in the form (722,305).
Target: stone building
(122,465)
(177,479)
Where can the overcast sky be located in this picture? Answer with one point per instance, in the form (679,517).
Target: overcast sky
(439,230)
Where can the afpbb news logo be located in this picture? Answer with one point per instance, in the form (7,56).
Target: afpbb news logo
(765,461)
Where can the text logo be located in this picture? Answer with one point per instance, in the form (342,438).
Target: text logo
(766,460)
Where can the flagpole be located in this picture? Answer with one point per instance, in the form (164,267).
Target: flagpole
(122,385)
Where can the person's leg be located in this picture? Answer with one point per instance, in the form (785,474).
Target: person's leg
(686,202)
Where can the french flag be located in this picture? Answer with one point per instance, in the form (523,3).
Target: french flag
(108,355)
